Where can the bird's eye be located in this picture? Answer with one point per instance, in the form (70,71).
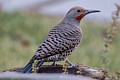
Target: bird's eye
(78,10)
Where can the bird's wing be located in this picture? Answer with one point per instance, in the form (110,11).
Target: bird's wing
(55,43)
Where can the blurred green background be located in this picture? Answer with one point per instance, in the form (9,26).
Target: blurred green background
(21,34)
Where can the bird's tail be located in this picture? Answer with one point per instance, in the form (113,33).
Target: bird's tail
(28,67)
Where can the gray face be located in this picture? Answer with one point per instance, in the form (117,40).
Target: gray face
(78,13)
(75,14)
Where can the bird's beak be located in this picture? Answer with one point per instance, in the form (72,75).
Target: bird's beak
(85,13)
(90,11)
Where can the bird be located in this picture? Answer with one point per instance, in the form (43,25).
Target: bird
(62,39)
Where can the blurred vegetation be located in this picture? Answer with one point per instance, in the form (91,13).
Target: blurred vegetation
(21,34)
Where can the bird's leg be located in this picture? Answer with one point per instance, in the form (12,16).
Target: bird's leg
(34,66)
(68,62)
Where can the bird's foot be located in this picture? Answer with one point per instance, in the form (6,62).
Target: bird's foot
(68,63)
(75,65)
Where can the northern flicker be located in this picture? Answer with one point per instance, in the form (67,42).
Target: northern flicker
(61,40)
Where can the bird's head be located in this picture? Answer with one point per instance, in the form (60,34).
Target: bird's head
(77,13)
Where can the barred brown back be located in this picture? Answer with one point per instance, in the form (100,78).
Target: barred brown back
(60,42)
